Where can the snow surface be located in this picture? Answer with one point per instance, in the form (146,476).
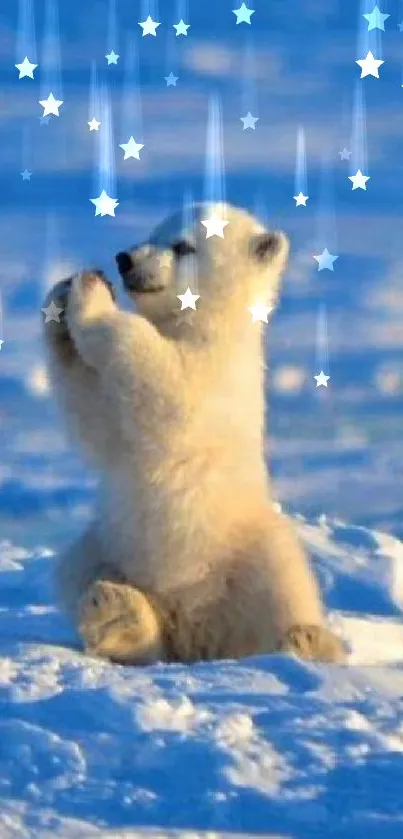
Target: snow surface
(266,745)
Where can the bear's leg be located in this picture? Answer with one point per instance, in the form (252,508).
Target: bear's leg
(296,602)
(117,622)
(78,566)
(294,599)
(87,410)
(276,601)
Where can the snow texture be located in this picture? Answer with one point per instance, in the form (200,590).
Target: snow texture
(267,745)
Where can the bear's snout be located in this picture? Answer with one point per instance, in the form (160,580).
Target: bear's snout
(124,262)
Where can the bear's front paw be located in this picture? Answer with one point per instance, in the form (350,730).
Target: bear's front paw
(90,279)
(91,295)
(313,643)
(54,310)
(56,301)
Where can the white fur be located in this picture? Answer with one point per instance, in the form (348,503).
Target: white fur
(172,411)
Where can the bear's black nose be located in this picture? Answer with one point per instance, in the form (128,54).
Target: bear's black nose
(124,262)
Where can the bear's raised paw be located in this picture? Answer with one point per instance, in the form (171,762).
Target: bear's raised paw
(90,278)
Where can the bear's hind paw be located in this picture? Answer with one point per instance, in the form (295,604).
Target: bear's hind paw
(313,643)
(118,623)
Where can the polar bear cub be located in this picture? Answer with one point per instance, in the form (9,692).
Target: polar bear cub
(186,557)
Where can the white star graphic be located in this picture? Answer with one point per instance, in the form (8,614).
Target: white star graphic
(369,65)
(105,206)
(249,121)
(112,58)
(51,105)
(301,199)
(243,14)
(188,299)
(214,226)
(181,27)
(321,379)
(326,260)
(149,26)
(1,344)
(52,312)
(260,312)
(345,154)
(94,124)
(26,68)
(359,180)
(131,148)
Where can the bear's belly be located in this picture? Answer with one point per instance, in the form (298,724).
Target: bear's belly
(170,533)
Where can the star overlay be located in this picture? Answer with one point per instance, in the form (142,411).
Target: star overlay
(51,105)
(171,80)
(359,180)
(188,299)
(326,260)
(243,14)
(214,226)
(301,199)
(249,121)
(131,148)
(26,69)
(104,204)
(260,312)
(321,379)
(369,66)
(149,26)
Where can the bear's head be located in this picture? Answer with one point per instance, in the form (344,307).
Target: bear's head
(246,262)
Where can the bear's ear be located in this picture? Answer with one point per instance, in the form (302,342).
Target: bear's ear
(264,246)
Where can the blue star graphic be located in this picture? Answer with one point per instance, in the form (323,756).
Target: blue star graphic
(325,260)
(400,25)
(171,80)
(112,58)
(376,20)
(26,176)
(243,14)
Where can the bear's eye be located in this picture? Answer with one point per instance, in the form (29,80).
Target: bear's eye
(183,248)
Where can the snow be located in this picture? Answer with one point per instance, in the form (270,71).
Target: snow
(268,745)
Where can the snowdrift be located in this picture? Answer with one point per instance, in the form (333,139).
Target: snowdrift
(267,745)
